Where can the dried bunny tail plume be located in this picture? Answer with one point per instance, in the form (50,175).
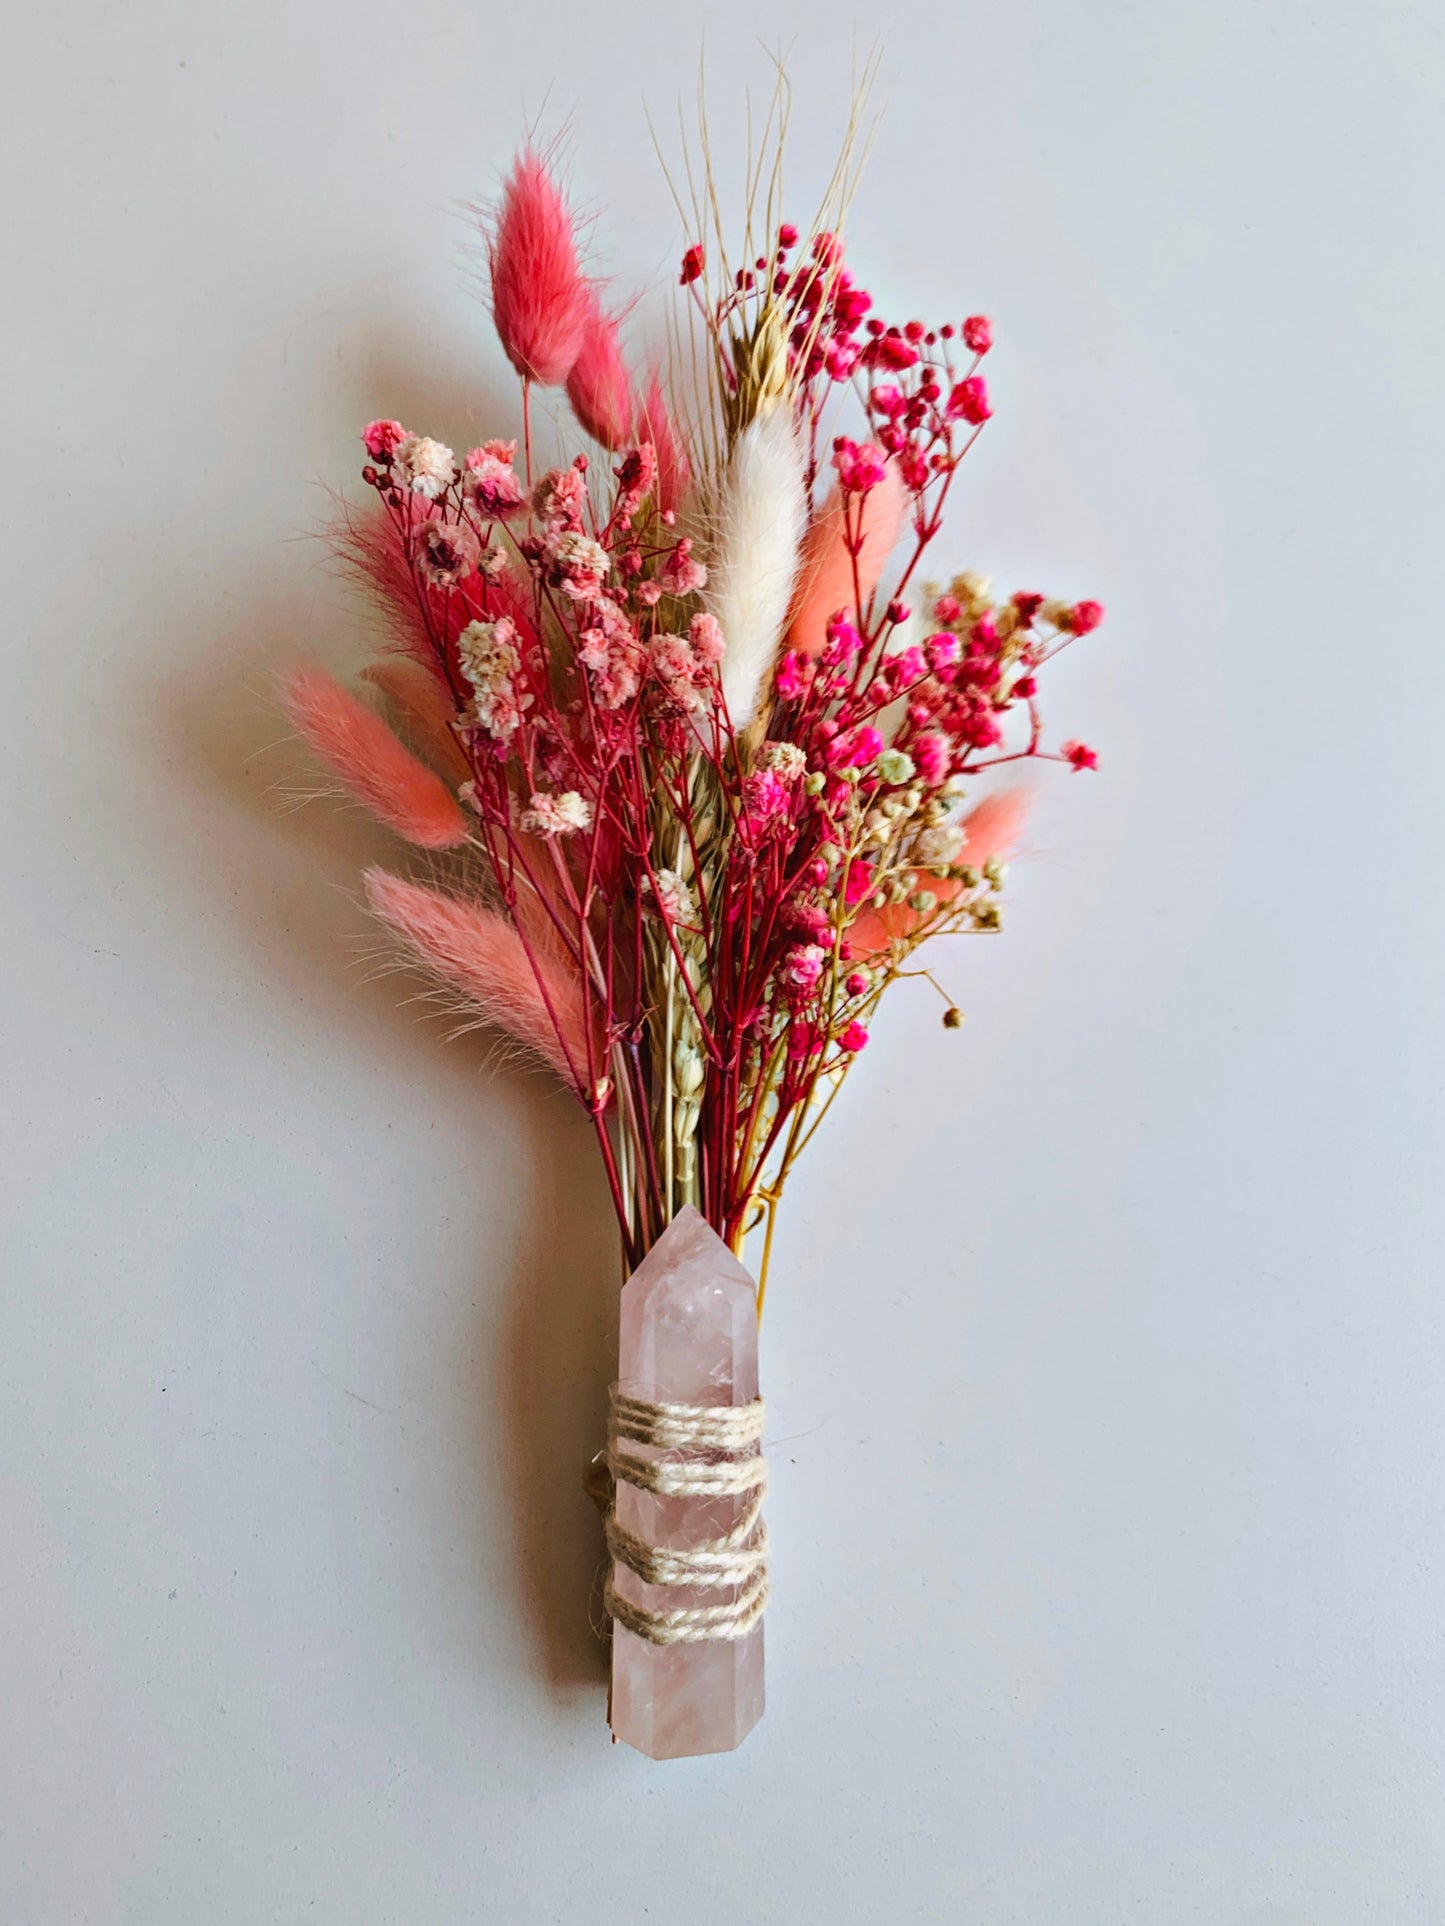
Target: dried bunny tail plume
(655,424)
(825,573)
(759,516)
(540,297)
(369,550)
(379,559)
(994,825)
(599,387)
(379,770)
(991,830)
(537,999)
(427,707)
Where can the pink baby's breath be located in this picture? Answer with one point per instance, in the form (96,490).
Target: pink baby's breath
(801,969)
(931,752)
(446,552)
(708,641)
(969,400)
(382,438)
(859,885)
(490,483)
(861,466)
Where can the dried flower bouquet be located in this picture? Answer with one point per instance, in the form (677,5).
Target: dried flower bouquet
(714,763)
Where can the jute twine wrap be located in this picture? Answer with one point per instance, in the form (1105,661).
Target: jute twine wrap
(712,1451)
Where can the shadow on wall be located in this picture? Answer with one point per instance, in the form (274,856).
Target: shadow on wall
(292,877)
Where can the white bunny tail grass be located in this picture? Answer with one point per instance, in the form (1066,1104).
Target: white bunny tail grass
(759,519)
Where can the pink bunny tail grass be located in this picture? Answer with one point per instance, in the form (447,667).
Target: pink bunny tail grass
(378,770)
(374,554)
(655,424)
(539,907)
(825,573)
(479,953)
(369,549)
(427,707)
(540,300)
(599,387)
(993,827)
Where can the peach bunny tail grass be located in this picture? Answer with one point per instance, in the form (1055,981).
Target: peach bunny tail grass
(535,999)
(540,297)
(825,572)
(379,770)
(992,829)
(994,826)
(427,707)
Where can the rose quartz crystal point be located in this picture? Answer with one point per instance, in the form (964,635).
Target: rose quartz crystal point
(689,1336)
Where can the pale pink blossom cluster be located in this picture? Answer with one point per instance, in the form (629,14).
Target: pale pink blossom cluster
(446,551)
(556,815)
(491,484)
(490,659)
(428,468)
(579,564)
(611,651)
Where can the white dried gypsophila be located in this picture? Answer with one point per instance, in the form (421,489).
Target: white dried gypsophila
(424,466)
(675,896)
(492,561)
(557,815)
(972,590)
(896,766)
(785,759)
(939,848)
(579,554)
(488,653)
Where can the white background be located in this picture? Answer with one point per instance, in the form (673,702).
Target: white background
(1105,1347)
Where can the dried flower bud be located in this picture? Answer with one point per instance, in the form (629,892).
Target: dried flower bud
(382,439)
(969,400)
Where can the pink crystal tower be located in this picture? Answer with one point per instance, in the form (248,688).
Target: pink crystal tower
(689,1336)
